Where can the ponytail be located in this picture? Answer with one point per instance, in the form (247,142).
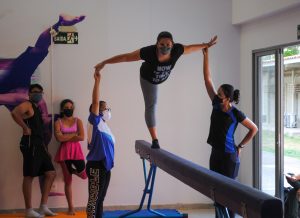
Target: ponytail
(236,96)
(231,93)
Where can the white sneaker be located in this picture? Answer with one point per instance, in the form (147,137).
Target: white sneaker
(44,210)
(30,213)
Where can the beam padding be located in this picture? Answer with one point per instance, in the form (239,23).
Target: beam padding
(244,200)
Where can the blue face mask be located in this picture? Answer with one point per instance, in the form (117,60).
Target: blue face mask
(36,97)
(165,50)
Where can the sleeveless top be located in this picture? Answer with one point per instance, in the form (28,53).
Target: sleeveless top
(69,150)
(66,129)
(35,123)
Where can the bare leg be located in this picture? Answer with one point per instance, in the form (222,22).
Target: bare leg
(27,189)
(68,192)
(153,132)
(68,187)
(49,178)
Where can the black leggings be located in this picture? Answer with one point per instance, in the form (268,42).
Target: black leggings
(99,179)
(226,164)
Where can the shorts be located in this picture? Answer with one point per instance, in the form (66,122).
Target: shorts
(79,166)
(36,160)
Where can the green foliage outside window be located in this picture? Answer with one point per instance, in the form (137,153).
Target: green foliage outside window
(290,51)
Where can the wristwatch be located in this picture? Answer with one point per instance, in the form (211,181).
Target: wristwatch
(240,146)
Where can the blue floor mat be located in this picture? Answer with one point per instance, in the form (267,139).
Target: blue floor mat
(144,213)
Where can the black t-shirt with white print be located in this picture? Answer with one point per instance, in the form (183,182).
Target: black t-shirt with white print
(154,71)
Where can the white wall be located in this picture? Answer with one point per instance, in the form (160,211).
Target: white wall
(112,27)
(263,33)
(245,10)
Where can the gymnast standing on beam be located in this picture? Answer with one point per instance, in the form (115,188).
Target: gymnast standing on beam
(159,60)
(224,119)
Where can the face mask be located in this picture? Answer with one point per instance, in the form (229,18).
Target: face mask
(36,97)
(219,100)
(106,115)
(68,112)
(165,50)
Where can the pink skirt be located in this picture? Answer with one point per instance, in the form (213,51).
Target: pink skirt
(69,151)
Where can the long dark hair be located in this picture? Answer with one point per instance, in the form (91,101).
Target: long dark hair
(231,93)
(62,104)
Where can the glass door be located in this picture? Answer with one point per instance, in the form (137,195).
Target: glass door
(267,114)
(291,97)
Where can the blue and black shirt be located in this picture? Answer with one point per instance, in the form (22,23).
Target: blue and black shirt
(100,141)
(223,126)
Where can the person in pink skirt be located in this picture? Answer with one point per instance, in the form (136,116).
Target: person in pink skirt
(69,132)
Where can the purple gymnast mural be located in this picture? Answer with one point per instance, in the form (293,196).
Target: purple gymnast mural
(16,74)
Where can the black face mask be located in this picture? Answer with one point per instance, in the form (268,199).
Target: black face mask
(68,112)
(218,99)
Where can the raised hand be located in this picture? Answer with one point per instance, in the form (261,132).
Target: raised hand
(205,51)
(97,75)
(212,41)
(99,66)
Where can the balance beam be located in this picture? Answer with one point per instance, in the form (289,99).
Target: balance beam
(244,200)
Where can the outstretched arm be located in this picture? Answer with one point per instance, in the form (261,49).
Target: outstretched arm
(96,93)
(188,49)
(128,57)
(207,76)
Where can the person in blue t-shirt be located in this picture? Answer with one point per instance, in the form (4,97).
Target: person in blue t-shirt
(159,60)
(224,119)
(100,159)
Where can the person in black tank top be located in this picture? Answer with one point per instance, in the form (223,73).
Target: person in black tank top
(36,159)
(35,123)
(159,60)
(224,157)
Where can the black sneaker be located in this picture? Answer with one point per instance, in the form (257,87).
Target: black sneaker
(155,144)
